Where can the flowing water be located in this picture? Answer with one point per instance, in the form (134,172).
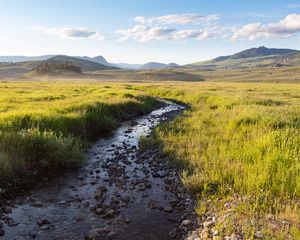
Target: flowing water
(117,194)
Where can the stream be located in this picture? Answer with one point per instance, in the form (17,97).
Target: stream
(119,193)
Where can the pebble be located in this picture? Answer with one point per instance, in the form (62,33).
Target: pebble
(42,222)
(185,223)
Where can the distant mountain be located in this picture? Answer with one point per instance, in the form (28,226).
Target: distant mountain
(97,59)
(24,58)
(85,65)
(261,52)
(253,57)
(155,65)
(126,65)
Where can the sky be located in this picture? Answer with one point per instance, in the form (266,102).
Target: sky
(139,31)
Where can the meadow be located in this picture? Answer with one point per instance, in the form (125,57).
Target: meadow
(46,126)
(237,144)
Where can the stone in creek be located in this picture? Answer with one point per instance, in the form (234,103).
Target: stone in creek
(80,218)
(127,220)
(42,221)
(37,204)
(96,233)
(93,181)
(173,233)
(99,211)
(185,223)
(7,210)
(109,214)
(152,204)
(2,232)
(116,152)
(45,227)
(11,223)
(98,194)
(111,235)
(168,209)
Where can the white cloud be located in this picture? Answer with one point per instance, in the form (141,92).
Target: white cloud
(191,33)
(287,27)
(144,33)
(73,33)
(155,29)
(180,19)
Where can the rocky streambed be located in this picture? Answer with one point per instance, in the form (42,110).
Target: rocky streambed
(120,193)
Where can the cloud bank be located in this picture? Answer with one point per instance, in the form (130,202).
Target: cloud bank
(73,33)
(156,28)
(182,19)
(181,27)
(287,27)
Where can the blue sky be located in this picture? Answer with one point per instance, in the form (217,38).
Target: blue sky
(137,31)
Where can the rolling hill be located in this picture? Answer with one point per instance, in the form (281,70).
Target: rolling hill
(85,65)
(19,69)
(252,58)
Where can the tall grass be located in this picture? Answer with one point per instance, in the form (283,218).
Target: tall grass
(239,140)
(45,126)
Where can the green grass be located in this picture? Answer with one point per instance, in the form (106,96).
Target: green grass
(45,126)
(239,143)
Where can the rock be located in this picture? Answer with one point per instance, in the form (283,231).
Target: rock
(173,233)
(98,194)
(286,223)
(99,211)
(42,222)
(96,233)
(185,223)
(215,233)
(152,204)
(2,232)
(127,220)
(205,233)
(103,188)
(80,218)
(233,237)
(12,223)
(45,227)
(168,209)
(110,213)
(37,204)
(208,223)
(258,235)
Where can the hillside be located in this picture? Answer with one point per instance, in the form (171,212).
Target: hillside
(97,59)
(16,59)
(254,57)
(19,69)
(85,65)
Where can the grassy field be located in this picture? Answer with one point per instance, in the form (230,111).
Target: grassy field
(239,145)
(45,126)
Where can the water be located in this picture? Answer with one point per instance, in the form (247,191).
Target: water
(69,203)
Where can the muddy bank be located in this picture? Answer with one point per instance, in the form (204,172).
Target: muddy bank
(120,193)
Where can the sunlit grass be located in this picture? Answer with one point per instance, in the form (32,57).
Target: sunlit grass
(44,126)
(240,140)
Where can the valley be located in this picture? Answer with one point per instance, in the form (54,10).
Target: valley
(91,151)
